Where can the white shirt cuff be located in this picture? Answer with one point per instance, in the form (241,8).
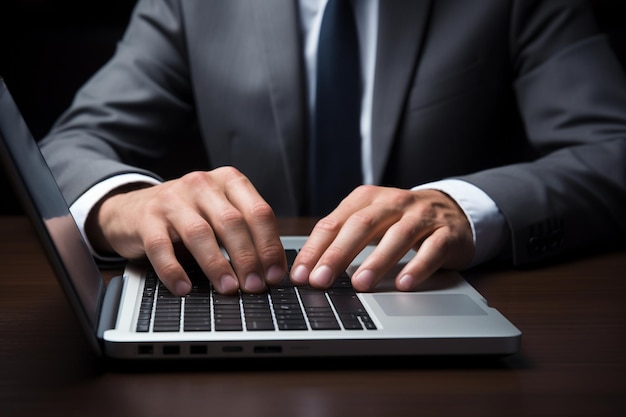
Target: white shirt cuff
(83,205)
(488,224)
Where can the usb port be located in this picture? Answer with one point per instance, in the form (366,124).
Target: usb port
(171,350)
(231,349)
(268,349)
(145,349)
(198,350)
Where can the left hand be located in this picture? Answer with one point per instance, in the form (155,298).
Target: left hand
(428,221)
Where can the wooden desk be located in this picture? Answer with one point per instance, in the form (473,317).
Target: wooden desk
(572,363)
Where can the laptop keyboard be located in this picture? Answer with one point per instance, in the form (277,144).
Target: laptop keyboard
(282,307)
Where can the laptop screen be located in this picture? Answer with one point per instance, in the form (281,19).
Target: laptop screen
(41,198)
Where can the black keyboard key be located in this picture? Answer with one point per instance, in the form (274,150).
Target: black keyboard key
(292,324)
(350,321)
(227,312)
(347,303)
(291,256)
(167,312)
(351,312)
(143,325)
(314,298)
(287,308)
(147,302)
(257,312)
(367,322)
(324,324)
(228,325)
(259,324)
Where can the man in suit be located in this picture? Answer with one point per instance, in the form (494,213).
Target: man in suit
(488,128)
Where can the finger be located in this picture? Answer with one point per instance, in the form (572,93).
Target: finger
(317,242)
(230,225)
(160,252)
(395,243)
(262,226)
(323,234)
(236,239)
(429,258)
(322,237)
(270,251)
(357,231)
(199,239)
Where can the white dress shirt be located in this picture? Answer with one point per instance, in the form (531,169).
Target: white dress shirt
(488,224)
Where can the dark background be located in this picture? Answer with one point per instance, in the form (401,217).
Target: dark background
(48,49)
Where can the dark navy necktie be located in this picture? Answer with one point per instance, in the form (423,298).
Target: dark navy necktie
(336,145)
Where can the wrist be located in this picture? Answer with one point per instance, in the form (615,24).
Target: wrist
(103,216)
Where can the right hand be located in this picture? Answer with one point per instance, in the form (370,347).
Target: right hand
(204,211)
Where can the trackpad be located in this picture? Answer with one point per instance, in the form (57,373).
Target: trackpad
(413,304)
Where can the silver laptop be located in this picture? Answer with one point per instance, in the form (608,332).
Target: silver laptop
(135,317)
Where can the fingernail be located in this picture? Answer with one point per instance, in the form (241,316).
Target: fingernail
(405,283)
(253,283)
(322,276)
(228,284)
(365,279)
(182,288)
(274,274)
(300,275)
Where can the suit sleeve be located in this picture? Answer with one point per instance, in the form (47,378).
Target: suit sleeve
(112,118)
(571,93)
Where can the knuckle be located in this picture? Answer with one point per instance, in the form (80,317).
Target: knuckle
(328,225)
(362,219)
(169,269)
(156,243)
(231,218)
(230,176)
(245,260)
(307,255)
(364,189)
(211,181)
(410,229)
(335,253)
(401,198)
(262,212)
(270,251)
(197,231)
(213,263)
(194,178)
(228,171)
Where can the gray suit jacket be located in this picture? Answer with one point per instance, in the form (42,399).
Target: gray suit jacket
(522,98)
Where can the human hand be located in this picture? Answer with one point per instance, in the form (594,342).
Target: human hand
(428,221)
(201,210)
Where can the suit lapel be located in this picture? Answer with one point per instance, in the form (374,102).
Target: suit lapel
(402,25)
(279,31)
(401,28)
